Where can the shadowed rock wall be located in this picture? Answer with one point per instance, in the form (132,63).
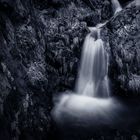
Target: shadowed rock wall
(122,34)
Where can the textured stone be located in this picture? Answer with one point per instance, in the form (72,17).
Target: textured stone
(122,33)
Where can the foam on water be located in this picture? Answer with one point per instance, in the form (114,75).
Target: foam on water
(83,112)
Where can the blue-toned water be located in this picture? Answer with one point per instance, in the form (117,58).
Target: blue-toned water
(93,72)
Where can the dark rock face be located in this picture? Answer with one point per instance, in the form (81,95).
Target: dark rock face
(102,11)
(123,35)
(125,2)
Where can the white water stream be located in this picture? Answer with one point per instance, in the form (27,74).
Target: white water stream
(93,79)
(116,6)
(90,105)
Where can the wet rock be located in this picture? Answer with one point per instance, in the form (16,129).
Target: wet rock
(123,30)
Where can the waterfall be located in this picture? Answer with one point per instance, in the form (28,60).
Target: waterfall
(116,6)
(90,105)
(93,79)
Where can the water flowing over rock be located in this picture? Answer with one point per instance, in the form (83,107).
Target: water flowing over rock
(93,79)
(116,6)
(73,108)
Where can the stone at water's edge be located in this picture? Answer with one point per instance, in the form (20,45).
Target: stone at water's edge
(122,32)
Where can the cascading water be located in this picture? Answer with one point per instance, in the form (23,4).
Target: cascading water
(116,6)
(74,110)
(93,73)
(93,79)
